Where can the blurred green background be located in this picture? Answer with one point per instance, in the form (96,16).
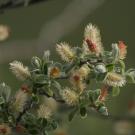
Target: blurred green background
(115,18)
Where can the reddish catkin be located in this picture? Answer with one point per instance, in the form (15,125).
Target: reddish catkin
(123,49)
(25,88)
(122,45)
(104,93)
(92,47)
(76,78)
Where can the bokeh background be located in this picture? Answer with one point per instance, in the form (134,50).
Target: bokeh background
(38,27)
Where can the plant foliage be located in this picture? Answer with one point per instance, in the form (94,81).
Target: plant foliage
(83,68)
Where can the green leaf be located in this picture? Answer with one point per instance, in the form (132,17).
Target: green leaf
(130,78)
(72,114)
(36,62)
(46,55)
(68,67)
(100,76)
(131,71)
(115,52)
(122,65)
(35,98)
(94,94)
(103,110)
(44,68)
(5,91)
(78,51)
(45,132)
(83,112)
(29,118)
(110,67)
(43,122)
(56,85)
(2,100)
(116,91)
(40,79)
(54,125)
(49,92)
(57,64)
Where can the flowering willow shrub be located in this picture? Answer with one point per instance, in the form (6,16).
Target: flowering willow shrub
(91,74)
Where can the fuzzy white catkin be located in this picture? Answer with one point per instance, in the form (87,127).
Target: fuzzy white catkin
(84,71)
(76,79)
(114,79)
(65,51)
(46,55)
(92,33)
(20,100)
(70,96)
(44,111)
(19,70)
(53,105)
(115,52)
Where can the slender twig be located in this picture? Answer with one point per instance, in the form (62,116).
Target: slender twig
(91,113)
(96,114)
